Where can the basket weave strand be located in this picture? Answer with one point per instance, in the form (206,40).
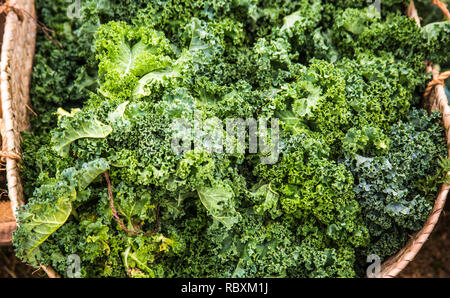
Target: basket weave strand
(15,66)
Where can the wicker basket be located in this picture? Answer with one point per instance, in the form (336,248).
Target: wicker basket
(16,63)
(19,34)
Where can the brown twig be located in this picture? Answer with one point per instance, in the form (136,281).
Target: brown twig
(51,273)
(116,214)
(31,110)
(443,7)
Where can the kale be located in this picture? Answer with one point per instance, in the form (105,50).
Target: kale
(397,189)
(358,164)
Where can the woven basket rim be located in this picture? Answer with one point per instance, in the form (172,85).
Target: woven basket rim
(13,92)
(390,268)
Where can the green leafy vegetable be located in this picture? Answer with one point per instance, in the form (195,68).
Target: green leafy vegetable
(359,162)
(74,129)
(217,201)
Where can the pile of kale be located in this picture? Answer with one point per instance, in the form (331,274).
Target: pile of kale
(358,168)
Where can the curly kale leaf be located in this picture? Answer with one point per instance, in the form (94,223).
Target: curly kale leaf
(51,206)
(77,127)
(391,188)
(366,141)
(42,218)
(356,171)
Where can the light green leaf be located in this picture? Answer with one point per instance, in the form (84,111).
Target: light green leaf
(63,113)
(86,174)
(433,30)
(303,106)
(153,78)
(217,200)
(118,113)
(138,60)
(290,20)
(90,128)
(291,121)
(43,220)
(267,200)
